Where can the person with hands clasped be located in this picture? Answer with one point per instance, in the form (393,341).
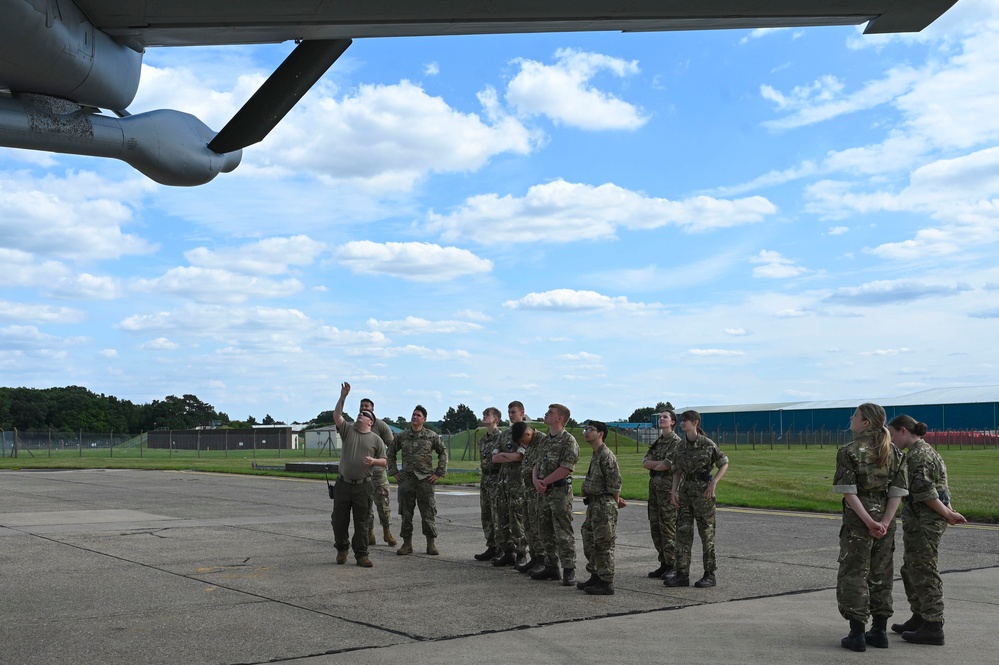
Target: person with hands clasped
(926,512)
(871,476)
(693,494)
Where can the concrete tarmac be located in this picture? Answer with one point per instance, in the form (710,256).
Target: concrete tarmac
(115,566)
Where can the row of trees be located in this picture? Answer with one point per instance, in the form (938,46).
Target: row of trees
(75,408)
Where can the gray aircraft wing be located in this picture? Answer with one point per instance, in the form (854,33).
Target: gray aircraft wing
(204,22)
(63,62)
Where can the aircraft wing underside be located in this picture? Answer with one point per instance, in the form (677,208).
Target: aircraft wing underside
(141,23)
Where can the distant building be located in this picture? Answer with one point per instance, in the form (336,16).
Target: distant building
(961,409)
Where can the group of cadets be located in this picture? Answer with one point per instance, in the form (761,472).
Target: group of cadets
(526,504)
(875,479)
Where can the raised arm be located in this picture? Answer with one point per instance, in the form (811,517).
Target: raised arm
(338,411)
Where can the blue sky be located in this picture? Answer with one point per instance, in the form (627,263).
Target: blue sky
(602,220)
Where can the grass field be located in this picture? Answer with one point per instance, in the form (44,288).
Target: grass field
(782,478)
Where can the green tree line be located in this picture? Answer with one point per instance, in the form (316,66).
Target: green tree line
(75,408)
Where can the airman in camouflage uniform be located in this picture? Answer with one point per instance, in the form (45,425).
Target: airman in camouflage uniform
(926,512)
(871,477)
(417,478)
(531,443)
(693,493)
(488,482)
(553,481)
(602,496)
(662,512)
(514,546)
(380,484)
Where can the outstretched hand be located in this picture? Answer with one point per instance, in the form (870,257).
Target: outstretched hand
(344,389)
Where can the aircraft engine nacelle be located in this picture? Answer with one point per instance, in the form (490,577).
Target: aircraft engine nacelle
(168,146)
(50,48)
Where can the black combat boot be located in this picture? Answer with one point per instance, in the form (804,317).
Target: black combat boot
(538,567)
(601,588)
(549,572)
(931,632)
(877,635)
(594,579)
(706,582)
(507,559)
(914,622)
(487,555)
(569,577)
(679,579)
(855,640)
(660,571)
(527,565)
(669,572)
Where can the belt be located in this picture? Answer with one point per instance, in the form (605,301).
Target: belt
(491,473)
(561,483)
(659,474)
(593,497)
(355,482)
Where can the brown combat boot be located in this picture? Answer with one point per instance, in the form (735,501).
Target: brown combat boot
(431,546)
(341,556)
(407,547)
(364,562)
(389,538)
(371,536)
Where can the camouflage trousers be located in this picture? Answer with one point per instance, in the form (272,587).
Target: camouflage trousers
(381,502)
(921,536)
(555,522)
(350,500)
(662,518)
(413,492)
(501,514)
(695,508)
(599,535)
(488,487)
(532,521)
(516,509)
(866,570)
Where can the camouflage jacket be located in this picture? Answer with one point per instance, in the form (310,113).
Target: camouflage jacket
(927,474)
(603,476)
(857,472)
(532,453)
(417,453)
(559,450)
(510,470)
(487,447)
(694,460)
(662,448)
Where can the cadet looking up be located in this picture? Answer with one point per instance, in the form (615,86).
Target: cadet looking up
(926,512)
(417,478)
(602,496)
(352,492)
(870,474)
